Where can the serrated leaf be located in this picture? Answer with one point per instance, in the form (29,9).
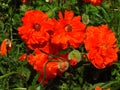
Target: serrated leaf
(75,54)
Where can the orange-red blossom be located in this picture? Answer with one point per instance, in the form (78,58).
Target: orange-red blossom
(49,66)
(6,45)
(94,2)
(101,46)
(99,88)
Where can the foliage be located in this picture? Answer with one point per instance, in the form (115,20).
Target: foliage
(18,75)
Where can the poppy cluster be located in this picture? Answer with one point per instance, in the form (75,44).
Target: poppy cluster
(47,37)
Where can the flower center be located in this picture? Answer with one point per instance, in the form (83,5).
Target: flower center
(68,28)
(36,26)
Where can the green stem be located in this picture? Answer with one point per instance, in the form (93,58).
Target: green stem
(44,75)
(8,74)
(51,55)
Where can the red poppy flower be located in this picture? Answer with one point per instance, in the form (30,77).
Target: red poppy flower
(52,69)
(51,72)
(51,66)
(34,29)
(23,57)
(101,45)
(6,45)
(23,1)
(98,88)
(94,2)
(42,63)
(38,60)
(69,30)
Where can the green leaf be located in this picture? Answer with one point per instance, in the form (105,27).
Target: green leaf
(106,15)
(51,12)
(34,82)
(24,71)
(75,54)
(2,69)
(107,85)
(1,25)
(23,8)
(16,19)
(95,85)
(19,88)
(39,88)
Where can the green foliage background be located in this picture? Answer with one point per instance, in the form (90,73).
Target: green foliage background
(17,75)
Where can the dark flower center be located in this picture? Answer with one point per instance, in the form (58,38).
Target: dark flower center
(36,26)
(68,28)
